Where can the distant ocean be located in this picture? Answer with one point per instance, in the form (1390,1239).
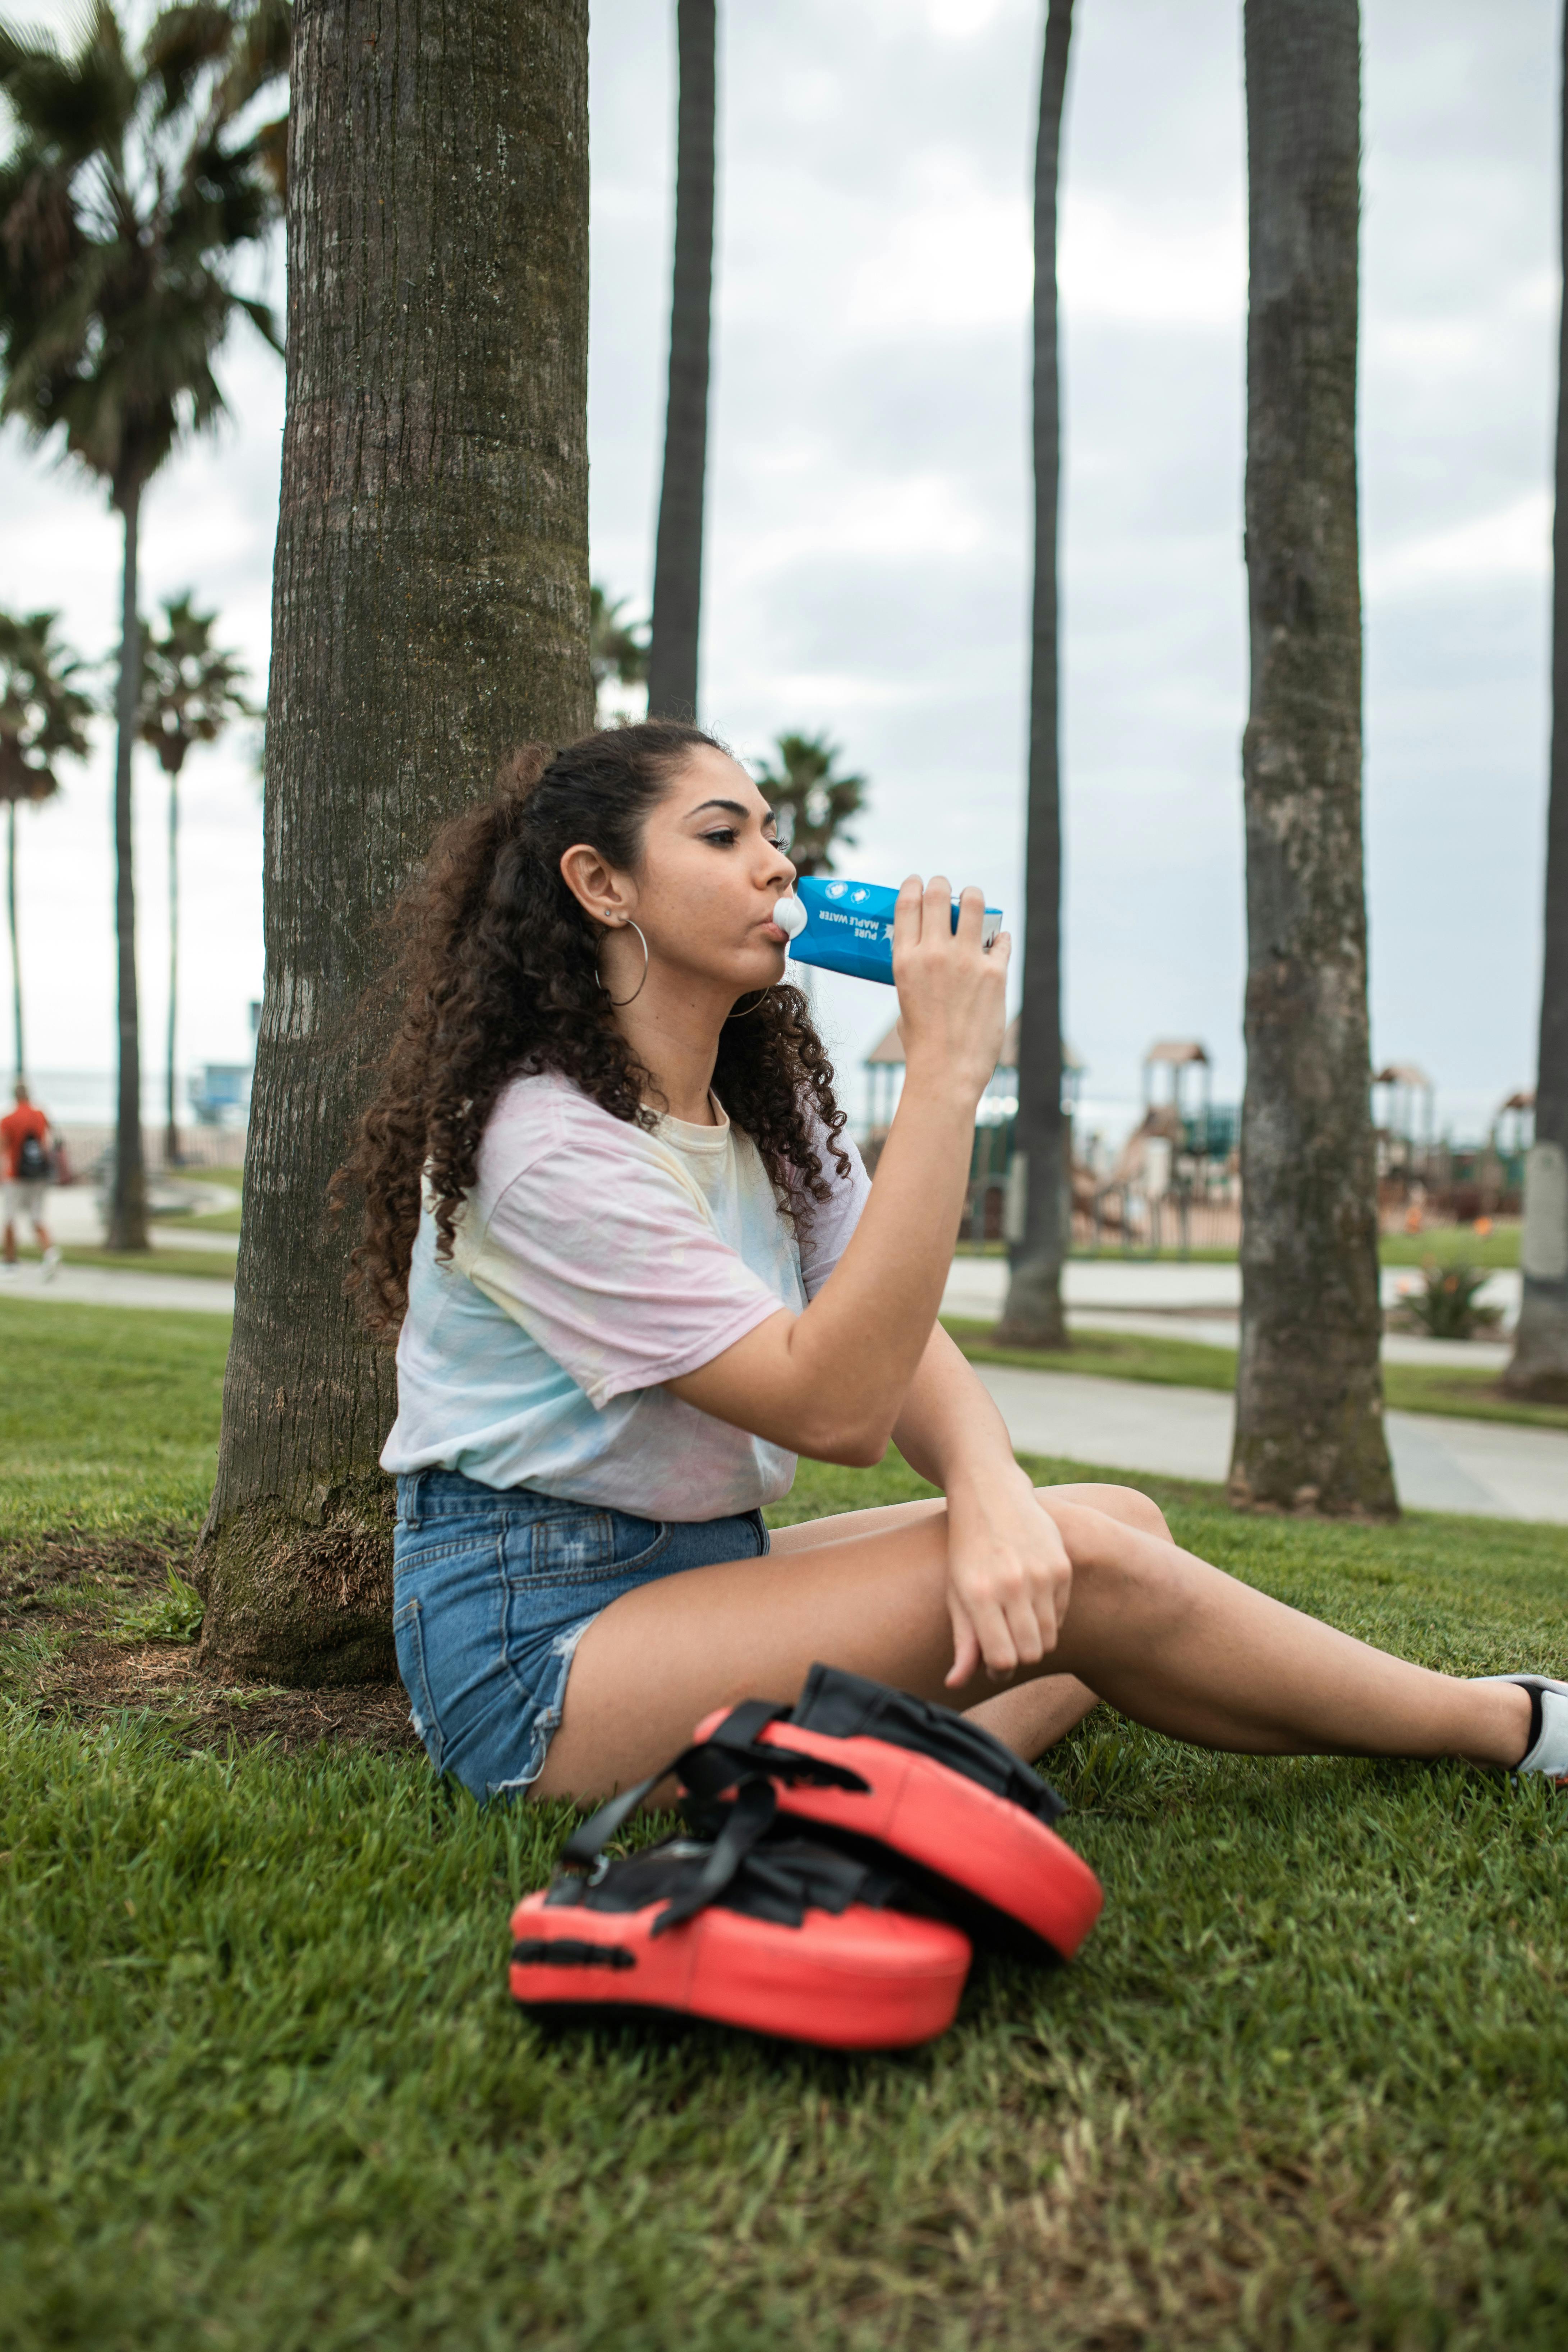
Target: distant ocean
(85,1097)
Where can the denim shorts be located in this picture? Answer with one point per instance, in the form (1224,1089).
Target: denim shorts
(493,1589)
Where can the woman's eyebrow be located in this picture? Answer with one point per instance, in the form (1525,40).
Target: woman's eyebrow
(736,808)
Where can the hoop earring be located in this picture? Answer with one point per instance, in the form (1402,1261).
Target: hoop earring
(618,1001)
(751,1008)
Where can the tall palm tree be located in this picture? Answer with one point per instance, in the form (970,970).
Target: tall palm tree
(1308,1419)
(424,619)
(678,549)
(1038,1243)
(43,717)
(130,190)
(190,692)
(1539,1363)
(811,800)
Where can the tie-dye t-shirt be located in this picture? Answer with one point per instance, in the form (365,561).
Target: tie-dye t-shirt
(592,1262)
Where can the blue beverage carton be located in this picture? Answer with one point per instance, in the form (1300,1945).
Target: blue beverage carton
(848,925)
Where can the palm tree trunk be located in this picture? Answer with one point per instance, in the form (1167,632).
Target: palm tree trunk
(677,551)
(1540,1365)
(128,1190)
(171,1128)
(430,609)
(1309,1430)
(21,1062)
(1033,1317)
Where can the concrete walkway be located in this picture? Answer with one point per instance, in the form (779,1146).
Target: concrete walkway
(1494,1469)
(74,1213)
(90,1285)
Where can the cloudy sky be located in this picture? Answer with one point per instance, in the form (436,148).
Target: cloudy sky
(868,541)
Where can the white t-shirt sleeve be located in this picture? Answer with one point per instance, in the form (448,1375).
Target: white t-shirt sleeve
(824,1227)
(606,1256)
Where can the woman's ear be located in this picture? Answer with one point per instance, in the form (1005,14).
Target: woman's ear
(608,897)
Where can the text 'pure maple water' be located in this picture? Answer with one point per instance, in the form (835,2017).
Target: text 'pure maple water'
(845,926)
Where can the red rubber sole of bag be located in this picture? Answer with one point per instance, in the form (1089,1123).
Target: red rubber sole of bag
(858,1979)
(1010,1879)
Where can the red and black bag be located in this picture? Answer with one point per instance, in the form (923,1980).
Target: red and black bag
(921,1789)
(751,1928)
(823,1832)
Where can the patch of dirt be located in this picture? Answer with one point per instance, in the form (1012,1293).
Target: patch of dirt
(62,1600)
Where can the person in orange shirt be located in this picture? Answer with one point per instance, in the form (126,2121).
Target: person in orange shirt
(24,1172)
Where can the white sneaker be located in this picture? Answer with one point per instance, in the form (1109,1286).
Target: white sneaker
(51,1260)
(1548,1748)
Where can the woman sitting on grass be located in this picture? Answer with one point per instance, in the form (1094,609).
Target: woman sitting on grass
(634,1268)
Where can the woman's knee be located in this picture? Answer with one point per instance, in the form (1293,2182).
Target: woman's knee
(1125,1572)
(1123,1504)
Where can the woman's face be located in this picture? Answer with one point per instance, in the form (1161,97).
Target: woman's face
(703,893)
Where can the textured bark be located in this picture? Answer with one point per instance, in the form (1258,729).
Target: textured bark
(677,551)
(1540,1365)
(430,608)
(128,1190)
(1033,1316)
(1309,1432)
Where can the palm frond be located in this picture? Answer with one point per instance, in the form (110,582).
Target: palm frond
(77,105)
(122,207)
(262,54)
(191,690)
(43,714)
(183,42)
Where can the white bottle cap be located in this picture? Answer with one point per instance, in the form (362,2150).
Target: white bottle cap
(790,917)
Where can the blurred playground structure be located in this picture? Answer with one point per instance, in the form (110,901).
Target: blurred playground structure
(1174,1183)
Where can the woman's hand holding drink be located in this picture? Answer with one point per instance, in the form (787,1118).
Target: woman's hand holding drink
(951,989)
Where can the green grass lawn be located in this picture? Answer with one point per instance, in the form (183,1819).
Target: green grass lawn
(1459,1389)
(1307,2086)
(1448,1243)
(109,1417)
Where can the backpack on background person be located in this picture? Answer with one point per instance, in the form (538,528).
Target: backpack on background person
(32,1161)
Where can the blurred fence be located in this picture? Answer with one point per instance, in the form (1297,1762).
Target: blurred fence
(87,1146)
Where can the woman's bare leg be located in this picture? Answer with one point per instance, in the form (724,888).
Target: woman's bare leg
(1174,1643)
(1033,1716)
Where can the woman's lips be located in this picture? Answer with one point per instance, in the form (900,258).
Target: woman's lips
(772,931)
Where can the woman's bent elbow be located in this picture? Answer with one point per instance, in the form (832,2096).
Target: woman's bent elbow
(851,1447)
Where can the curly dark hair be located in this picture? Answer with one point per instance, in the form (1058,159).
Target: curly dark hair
(498,974)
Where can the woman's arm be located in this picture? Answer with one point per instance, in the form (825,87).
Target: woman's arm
(832,1381)
(1008,1576)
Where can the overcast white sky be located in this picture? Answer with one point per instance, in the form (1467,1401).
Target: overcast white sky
(868,503)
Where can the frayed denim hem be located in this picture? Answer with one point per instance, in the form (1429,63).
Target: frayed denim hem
(547,1722)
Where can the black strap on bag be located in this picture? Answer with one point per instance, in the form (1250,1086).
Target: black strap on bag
(707,1769)
(746,1823)
(748,1867)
